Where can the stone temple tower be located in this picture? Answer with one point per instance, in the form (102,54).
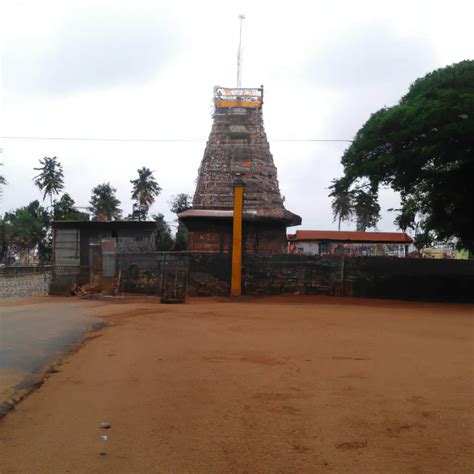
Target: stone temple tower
(238,150)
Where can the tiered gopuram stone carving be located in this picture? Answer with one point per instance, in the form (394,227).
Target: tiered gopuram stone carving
(237,148)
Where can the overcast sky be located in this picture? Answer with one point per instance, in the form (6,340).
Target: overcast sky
(146,69)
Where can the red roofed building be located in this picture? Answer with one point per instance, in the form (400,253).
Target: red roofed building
(333,242)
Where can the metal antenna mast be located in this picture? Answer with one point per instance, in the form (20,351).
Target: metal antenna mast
(239,52)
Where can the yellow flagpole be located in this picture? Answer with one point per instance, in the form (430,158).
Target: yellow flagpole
(236,282)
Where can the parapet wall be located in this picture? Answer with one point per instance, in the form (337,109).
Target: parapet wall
(373,277)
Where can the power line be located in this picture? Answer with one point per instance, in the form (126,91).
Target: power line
(162,140)
(89,139)
(311,140)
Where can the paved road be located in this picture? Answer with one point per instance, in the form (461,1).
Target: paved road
(32,336)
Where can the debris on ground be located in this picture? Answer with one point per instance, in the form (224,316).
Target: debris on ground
(84,290)
(103,287)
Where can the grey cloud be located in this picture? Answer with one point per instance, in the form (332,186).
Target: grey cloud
(366,68)
(91,53)
(370,55)
(361,70)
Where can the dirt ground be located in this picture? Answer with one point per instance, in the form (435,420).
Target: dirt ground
(271,385)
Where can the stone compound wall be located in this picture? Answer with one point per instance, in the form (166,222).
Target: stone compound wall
(371,277)
(140,273)
(208,274)
(291,274)
(18,282)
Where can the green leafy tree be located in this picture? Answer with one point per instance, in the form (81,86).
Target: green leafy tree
(409,217)
(144,192)
(164,239)
(104,204)
(178,204)
(366,209)
(64,210)
(3,243)
(423,148)
(181,238)
(3,182)
(26,229)
(50,180)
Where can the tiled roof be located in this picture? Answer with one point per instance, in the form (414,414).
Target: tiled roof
(351,236)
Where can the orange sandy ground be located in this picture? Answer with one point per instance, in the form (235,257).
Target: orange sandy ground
(274,385)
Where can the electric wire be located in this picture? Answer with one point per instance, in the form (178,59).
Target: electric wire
(161,140)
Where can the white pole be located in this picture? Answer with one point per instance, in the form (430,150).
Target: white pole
(239,53)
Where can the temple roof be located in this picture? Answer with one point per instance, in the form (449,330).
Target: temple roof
(238,151)
(284,216)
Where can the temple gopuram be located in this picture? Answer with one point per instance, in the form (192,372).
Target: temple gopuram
(238,151)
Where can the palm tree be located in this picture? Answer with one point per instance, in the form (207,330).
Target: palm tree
(104,204)
(3,180)
(342,203)
(145,190)
(51,177)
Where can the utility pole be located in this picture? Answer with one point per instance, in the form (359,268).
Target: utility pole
(239,53)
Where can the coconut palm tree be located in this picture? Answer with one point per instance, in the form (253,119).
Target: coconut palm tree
(51,177)
(342,203)
(145,190)
(3,181)
(2,178)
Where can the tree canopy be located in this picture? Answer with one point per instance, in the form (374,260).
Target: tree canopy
(51,177)
(64,210)
(180,203)
(423,148)
(25,229)
(104,205)
(164,240)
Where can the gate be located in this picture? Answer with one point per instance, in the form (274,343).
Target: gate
(174,277)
